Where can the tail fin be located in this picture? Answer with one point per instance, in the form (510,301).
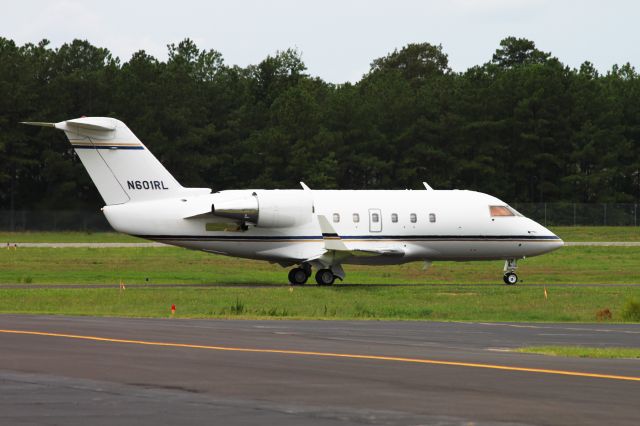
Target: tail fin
(121,167)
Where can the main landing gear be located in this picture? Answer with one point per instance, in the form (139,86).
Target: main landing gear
(510,277)
(300,275)
(325,277)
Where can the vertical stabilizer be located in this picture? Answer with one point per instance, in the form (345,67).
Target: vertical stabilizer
(119,164)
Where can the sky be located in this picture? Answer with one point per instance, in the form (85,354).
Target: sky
(338,39)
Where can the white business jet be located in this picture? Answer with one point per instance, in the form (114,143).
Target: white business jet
(303,228)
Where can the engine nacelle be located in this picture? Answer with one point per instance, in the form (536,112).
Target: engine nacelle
(268,208)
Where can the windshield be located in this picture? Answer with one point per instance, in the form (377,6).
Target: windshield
(496,211)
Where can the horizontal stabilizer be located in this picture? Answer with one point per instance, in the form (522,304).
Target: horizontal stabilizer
(103,124)
(38,123)
(92,123)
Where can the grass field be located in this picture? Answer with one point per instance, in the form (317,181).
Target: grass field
(584,265)
(67,237)
(448,303)
(447,291)
(568,233)
(582,351)
(597,233)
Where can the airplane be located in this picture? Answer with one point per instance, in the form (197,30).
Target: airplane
(303,228)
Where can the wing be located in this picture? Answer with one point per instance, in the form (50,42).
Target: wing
(333,243)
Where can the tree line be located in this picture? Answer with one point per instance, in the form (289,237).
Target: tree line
(522,126)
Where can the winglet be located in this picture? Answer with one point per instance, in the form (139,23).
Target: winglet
(332,240)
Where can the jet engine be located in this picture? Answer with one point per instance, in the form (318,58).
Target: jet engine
(268,209)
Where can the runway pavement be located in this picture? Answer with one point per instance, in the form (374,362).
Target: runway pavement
(83,370)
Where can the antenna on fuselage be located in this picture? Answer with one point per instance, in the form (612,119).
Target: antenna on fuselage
(427,187)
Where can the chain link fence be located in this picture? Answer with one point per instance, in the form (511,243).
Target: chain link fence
(547,214)
(580,214)
(53,220)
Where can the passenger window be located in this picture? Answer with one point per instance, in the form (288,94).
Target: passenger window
(500,211)
(413,217)
(375,217)
(336,217)
(356,218)
(432,217)
(394,217)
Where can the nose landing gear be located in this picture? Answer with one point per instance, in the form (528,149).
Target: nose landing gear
(510,277)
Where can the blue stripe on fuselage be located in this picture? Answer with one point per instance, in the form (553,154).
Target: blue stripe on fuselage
(355,237)
(106,147)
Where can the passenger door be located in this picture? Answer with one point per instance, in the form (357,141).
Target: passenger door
(375,220)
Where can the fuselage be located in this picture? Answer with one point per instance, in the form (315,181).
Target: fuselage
(308,229)
(423,224)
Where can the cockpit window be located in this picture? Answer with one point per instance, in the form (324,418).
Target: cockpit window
(514,211)
(500,211)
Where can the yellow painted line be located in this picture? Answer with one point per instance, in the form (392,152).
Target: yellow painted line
(329,354)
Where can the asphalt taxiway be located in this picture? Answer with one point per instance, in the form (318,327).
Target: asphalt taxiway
(83,370)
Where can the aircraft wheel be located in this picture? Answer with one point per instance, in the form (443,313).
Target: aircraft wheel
(510,278)
(307,269)
(325,277)
(298,276)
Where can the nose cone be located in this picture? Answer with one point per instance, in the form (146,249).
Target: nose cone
(551,241)
(545,240)
(556,242)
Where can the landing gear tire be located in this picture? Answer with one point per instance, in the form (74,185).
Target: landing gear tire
(298,276)
(510,278)
(307,269)
(325,277)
